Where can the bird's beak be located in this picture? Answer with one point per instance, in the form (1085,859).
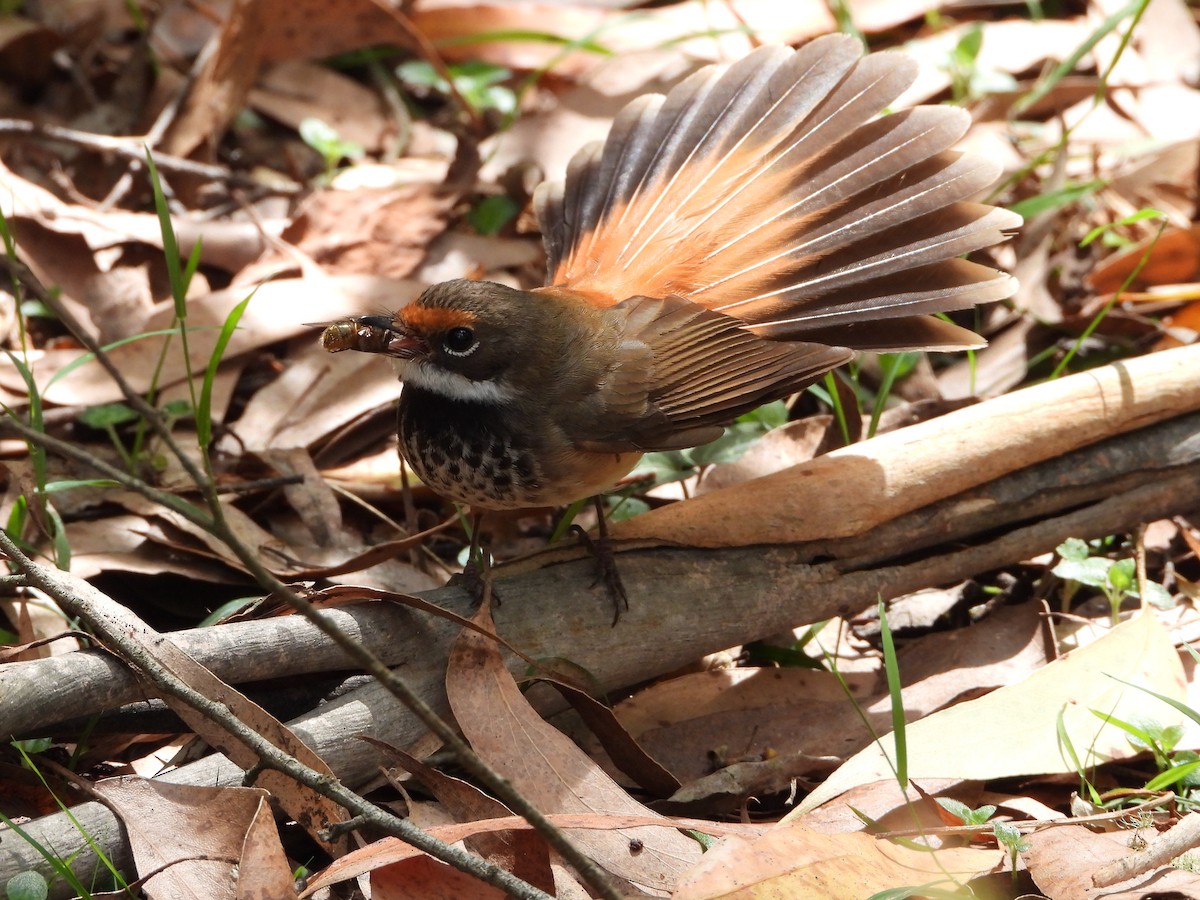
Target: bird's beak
(400,342)
(403,344)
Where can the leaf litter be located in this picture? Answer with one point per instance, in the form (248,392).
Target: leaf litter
(986,698)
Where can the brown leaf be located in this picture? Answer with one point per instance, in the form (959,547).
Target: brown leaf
(202,842)
(309,809)
(1171,259)
(972,740)
(428,879)
(753,713)
(291,92)
(521,852)
(794,861)
(382,231)
(550,770)
(392,850)
(1062,861)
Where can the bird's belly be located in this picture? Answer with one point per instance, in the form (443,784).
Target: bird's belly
(466,453)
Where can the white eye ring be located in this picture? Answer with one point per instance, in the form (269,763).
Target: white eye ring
(460,335)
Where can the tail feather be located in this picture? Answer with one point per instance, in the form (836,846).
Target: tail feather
(770,192)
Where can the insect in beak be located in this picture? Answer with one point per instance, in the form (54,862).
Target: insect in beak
(368,334)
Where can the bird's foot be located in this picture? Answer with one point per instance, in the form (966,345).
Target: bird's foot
(476,579)
(606,569)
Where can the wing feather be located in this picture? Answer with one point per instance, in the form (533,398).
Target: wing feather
(774,192)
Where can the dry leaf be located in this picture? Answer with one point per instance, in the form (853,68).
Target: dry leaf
(203,842)
(291,92)
(393,850)
(521,852)
(752,713)
(553,773)
(1063,859)
(381,231)
(795,861)
(1013,731)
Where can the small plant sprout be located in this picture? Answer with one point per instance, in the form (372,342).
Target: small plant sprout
(1116,579)
(477,82)
(1010,840)
(964,813)
(327,142)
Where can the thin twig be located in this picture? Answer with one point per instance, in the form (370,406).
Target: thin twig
(18,270)
(132,147)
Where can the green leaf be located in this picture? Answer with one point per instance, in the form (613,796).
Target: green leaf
(1092,572)
(628,508)
(1180,774)
(62,547)
(954,807)
(769,415)
(508,35)
(72,484)
(27,886)
(491,214)
(228,608)
(109,415)
(171,258)
(729,447)
(665,466)
(85,358)
(965,813)
(1052,200)
(419,73)
(1158,596)
(177,409)
(204,405)
(891,668)
(478,82)
(326,141)
(1071,61)
(36,309)
(1009,837)
(1073,548)
(1140,216)
(1122,575)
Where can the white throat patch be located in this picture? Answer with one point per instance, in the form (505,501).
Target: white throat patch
(429,377)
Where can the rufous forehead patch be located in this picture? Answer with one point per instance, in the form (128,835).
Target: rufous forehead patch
(429,319)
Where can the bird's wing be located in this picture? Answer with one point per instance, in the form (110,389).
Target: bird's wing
(773,191)
(682,372)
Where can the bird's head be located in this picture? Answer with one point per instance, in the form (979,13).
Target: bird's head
(472,340)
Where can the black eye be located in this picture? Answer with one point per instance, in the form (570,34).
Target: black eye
(460,341)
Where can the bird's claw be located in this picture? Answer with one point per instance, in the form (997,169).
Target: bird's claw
(606,570)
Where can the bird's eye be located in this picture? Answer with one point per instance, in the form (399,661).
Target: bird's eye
(460,342)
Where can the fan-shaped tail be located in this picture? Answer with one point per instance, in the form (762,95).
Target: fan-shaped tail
(772,192)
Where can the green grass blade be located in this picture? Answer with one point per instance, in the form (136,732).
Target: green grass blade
(85,358)
(892,668)
(204,405)
(1071,62)
(1174,704)
(175,274)
(60,866)
(507,35)
(839,408)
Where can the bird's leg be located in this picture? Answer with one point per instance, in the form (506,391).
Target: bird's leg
(476,576)
(606,563)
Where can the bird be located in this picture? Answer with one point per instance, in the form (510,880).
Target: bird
(726,245)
